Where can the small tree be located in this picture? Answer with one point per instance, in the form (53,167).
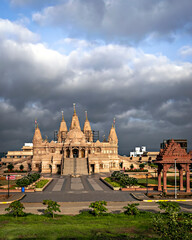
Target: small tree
(128,181)
(98,207)
(10,167)
(52,207)
(21,167)
(141,166)
(16,209)
(131,209)
(131,166)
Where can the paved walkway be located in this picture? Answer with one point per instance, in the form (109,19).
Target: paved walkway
(73,208)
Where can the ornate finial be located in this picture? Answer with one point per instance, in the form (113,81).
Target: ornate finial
(62,116)
(46,138)
(36,125)
(104,139)
(86,115)
(113,122)
(74,108)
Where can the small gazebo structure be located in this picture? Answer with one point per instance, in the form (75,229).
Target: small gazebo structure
(169,156)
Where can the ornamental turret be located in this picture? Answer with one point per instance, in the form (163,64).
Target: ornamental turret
(37,138)
(113,136)
(75,120)
(62,130)
(87,129)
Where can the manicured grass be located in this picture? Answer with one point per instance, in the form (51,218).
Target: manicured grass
(41,183)
(114,184)
(83,226)
(170,181)
(5,182)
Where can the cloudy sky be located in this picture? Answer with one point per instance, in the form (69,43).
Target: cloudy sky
(128,59)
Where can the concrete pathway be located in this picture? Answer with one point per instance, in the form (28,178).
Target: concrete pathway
(73,208)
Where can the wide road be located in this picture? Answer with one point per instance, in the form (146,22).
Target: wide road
(81,189)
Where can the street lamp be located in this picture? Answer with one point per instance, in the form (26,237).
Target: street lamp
(8,185)
(147,182)
(175,180)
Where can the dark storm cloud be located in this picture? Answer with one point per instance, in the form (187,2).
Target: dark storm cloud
(150,96)
(127,19)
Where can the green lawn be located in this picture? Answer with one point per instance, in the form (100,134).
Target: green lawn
(111,226)
(5,182)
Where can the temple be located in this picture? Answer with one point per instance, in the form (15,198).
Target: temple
(75,152)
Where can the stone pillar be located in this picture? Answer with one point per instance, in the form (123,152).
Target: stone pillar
(86,153)
(181,179)
(164,180)
(159,179)
(65,152)
(71,153)
(187,179)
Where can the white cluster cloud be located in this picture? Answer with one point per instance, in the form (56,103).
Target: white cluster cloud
(11,30)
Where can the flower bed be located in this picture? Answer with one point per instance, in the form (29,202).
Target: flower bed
(113,185)
(42,184)
(136,170)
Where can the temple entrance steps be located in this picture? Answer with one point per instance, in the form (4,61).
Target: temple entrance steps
(68,168)
(81,166)
(75,166)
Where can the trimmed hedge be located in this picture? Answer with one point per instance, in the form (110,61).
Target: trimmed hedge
(27,180)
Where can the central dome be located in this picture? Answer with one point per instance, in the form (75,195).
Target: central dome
(75,136)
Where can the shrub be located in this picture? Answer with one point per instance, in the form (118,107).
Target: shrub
(169,207)
(52,207)
(141,166)
(16,209)
(27,180)
(131,209)
(171,225)
(131,166)
(10,167)
(128,181)
(98,207)
(117,175)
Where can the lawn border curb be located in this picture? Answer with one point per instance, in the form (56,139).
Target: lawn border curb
(169,200)
(16,199)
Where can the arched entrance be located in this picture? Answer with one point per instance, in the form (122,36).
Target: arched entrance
(67,153)
(75,153)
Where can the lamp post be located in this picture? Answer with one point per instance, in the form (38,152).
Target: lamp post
(147,182)
(175,180)
(8,185)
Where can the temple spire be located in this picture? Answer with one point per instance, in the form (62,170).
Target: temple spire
(37,135)
(112,135)
(87,129)
(75,120)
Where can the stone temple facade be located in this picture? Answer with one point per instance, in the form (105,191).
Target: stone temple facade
(74,152)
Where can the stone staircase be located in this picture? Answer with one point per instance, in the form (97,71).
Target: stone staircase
(68,166)
(81,166)
(75,166)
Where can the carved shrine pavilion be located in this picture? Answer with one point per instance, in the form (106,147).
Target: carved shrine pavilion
(170,156)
